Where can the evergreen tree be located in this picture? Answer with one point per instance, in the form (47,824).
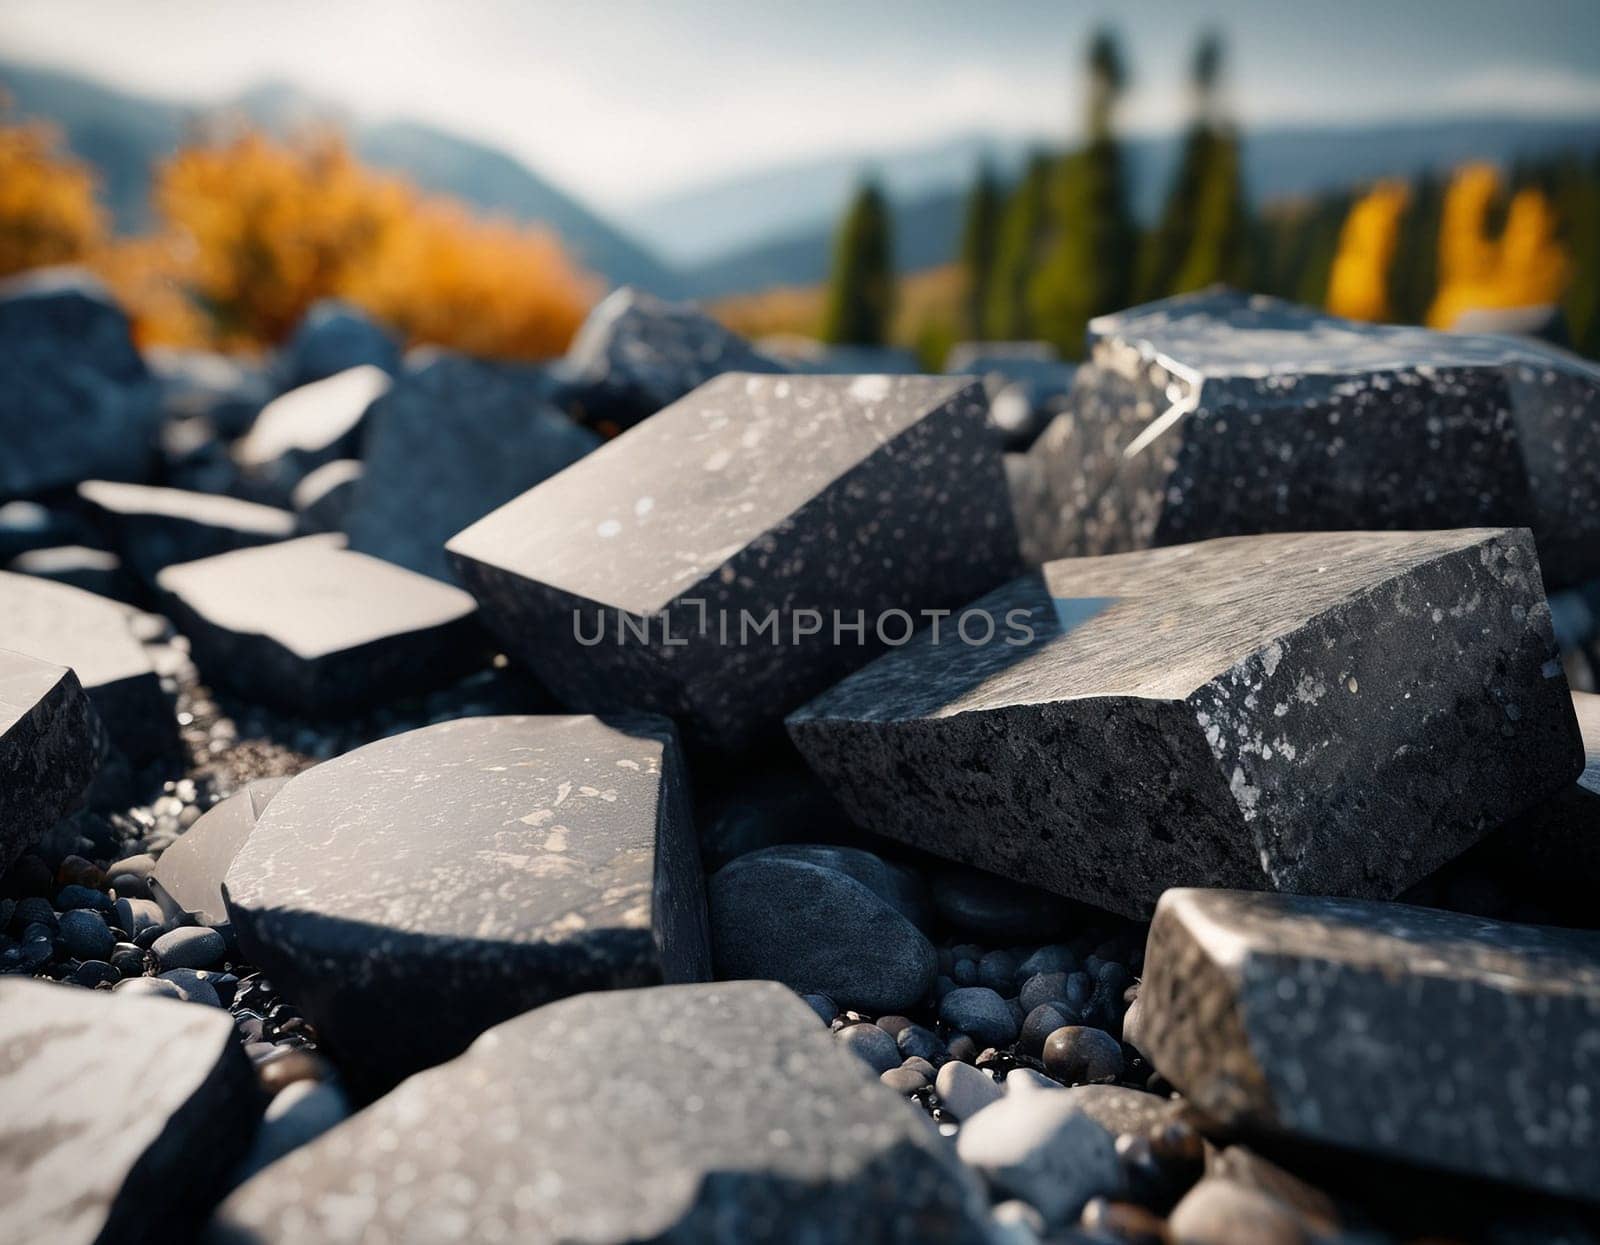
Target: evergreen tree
(979,239)
(861,288)
(1414,272)
(1089,258)
(1021,233)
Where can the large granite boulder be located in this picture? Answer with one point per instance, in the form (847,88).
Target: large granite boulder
(333,337)
(636,354)
(152,528)
(313,628)
(412,893)
(451,441)
(187,880)
(746,546)
(108,1139)
(51,744)
(77,400)
(317,423)
(683,1113)
(1327,713)
(1402,1032)
(1252,415)
(94,636)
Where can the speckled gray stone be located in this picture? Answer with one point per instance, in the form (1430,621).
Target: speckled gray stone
(452,440)
(316,423)
(69,627)
(187,880)
(51,743)
(104,1140)
(1403,1032)
(875,497)
(1334,713)
(312,627)
(613,1118)
(410,894)
(1253,415)
(152,528)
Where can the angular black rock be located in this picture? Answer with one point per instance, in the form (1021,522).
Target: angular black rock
(51,743)
(410,894)
(77,400)
(1026,382)
(105,1139)
(333,337)
(187,880)
(636,354)
(1253,415)
(313,628)
(152,528)
(69,627)
(78,566)
(322,499)
(222,390)
(682,1113)
(783,503)
(451,441)
(1403,1032)
(299,431)
(1326,713)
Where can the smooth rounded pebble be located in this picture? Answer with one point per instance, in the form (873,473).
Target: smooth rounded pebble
(154,986)
(85,935)
(1040,1023)
(1222,1212)
(1043,1149)
(965,1090)
(981,1014)
(872,1045)
(191,986)
(904,1080)
(923,1043)
(192,946)
(1025,1079)
(1082,1056)
(825,1007)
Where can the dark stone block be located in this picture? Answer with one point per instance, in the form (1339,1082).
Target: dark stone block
(682,1113)
(1327,713)
(153,528)
(412,893)
(299,431)
(787,503)
(312,628)
(322,500)
(107,1139)
(77,566)
(1403,1032)
(187,880)
(51,744)
(333,337)
(223,391)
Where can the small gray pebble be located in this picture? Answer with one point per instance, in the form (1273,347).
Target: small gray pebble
(981,1013)
(872,1045)
(965,1090)
(191,946)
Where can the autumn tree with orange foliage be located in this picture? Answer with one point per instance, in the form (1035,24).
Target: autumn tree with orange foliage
(1525,266)
(48,213)
(1358,284)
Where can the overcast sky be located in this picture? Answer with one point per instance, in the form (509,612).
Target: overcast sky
(624,101)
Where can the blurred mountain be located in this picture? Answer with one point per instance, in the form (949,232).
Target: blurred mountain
(125,135)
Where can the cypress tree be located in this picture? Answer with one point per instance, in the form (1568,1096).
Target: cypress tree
(861,289)
(979,240)
(1021,234)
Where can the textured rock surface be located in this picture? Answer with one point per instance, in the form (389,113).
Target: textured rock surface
(1334,713)
(451,441)
(50,747)
(612,1118)
(333,337)
(312,627)
(224,390)
(103,1140)
(1252,415)
(77,400)
(187,881)
(152,528)
(314,424)
(69,627)
(787,501)
(1403,1032)
(469,871)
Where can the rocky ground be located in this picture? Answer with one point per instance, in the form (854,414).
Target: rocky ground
(368,936)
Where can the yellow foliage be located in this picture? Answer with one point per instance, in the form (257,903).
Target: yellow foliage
(1358,283)
(148,275)
(48,213)
(932,296)
(1525,266)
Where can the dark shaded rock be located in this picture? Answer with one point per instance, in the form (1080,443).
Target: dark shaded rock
(636,354)
(767,801)
(317,423)
(86,936)
(453,440)
(322,499)
(1401,1032)
(335,336)
(818,931)
(980,1013)
(896,885)
(637,576)
(997,909)
(109,1140)
(300,1113)
(646,1132)
(152,528)
(1334,713)
(26,525)
(314,628)
(222,390)
(1026,382)
(522,859)
(78,566)
(871,1045)
(77,401)
(51,743)
(1081,1055)
(93,635)
(190,946)
(187,880)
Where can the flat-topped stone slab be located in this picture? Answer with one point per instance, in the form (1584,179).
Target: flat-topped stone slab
(322,498)
(187,880)
(452,440)
(152,528)
(1403,1032)
(78,566)
(1273,417)
(1333,713)
(682,1113)
(69,627)
(310,425)
(412,893)
(51,742)
(104,1139)
(312,627)
(641,575)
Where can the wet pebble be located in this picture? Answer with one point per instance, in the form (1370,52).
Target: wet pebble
(1080,1055)
(85,935)
(904,1080)
(825,1007)
(980,1013)
(872,1046)
(924,1043)
(74,895)
(190,946)
(1040,1023)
